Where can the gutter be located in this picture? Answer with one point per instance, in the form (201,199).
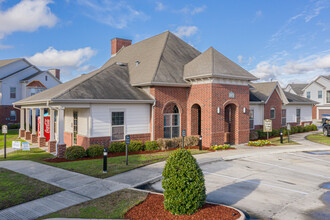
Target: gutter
(152,120)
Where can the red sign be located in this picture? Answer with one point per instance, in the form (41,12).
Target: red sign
(46,127)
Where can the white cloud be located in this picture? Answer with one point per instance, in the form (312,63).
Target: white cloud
(160,6)
(117,14)
(70,62)
(247,61)
(186,31)
(257,15)
(301,69)
(240,58)
(27,15)
(191,10)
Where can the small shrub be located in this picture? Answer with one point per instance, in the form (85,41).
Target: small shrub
(151,145)
(75,152)
(261,134)
(94,151)
(300,129)
(275,132)
(308,128)
(314,127)
(116,147)
(13,126)
(183,184)
(191,141)
(285,131)
(259,143)
(135,146)
(166,144)
(221,147)
(294,130)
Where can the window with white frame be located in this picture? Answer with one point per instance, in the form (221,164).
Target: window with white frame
(13,115)
(308,95)
(251,116)
(13,92)
(319,94)
(272,113)
(298,116)
(118,126)
(172,122)
(283,117)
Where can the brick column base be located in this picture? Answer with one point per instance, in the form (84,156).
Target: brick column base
(61,150)
(51,146)
(21,133)
(34,138)
(27,135)
(42,142)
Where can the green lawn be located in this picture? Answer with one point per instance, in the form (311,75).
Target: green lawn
(112,206)
(277,141)
(35,154)
(10,137)
(319,138)
(116,165)
(16,188)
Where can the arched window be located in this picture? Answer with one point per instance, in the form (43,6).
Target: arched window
(171,121)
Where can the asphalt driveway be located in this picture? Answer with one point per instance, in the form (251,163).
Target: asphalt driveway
(274,186)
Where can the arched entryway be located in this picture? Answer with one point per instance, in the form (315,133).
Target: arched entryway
(230,123)
(196,121)
(171,121)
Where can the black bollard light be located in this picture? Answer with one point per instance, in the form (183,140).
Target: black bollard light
(281,134)
(200,142)
(105,160)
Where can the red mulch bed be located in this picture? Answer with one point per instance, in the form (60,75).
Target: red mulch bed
(60,160)
(153,208)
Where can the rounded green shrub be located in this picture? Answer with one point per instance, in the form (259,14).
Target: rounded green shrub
(314,127)
(135,146)
(75,152)
(116,147)
(300,129)
(183,183)
(275,132)
(94,151)
(151,145)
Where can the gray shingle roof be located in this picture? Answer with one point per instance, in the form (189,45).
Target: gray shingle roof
(297,88)
(212,63)
(110,83)
(261,91)
(8,61)
(292,98)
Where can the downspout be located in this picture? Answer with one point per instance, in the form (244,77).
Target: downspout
(152,120)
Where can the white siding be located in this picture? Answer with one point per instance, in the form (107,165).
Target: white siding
(313,89)
(258,114)
(305,113)
(137,118)
(83,118)
(51,82)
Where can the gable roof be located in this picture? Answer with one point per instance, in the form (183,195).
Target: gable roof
(36,84)
(262,92)
(8,61)
(107,85)
(298,88)
(212,63)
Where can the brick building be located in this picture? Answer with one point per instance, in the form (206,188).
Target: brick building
(151,89)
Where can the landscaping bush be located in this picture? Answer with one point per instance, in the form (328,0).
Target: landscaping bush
(13,126)
(183,183)
(191,141)
(135,146)
(300,129)
(285,131)
(259,143)
(314,127)
(94,151)
(221,147)
(166,144)
(294,130)
(275,132)
(75,152)
(261,134)
(151,145)
(116,147)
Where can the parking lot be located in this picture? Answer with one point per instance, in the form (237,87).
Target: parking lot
(274,186)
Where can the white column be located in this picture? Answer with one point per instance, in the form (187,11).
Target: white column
(22,118)
(60,123)
(52,130)
(34,130)
(27,113)
(42,111)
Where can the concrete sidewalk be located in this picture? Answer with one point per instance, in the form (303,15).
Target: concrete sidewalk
(79,188)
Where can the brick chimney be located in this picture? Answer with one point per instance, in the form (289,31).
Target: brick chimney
(55,72)
(118,43)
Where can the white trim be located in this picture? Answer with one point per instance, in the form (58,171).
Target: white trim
(86,101)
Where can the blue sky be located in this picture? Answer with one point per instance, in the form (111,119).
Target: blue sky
(285,40)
